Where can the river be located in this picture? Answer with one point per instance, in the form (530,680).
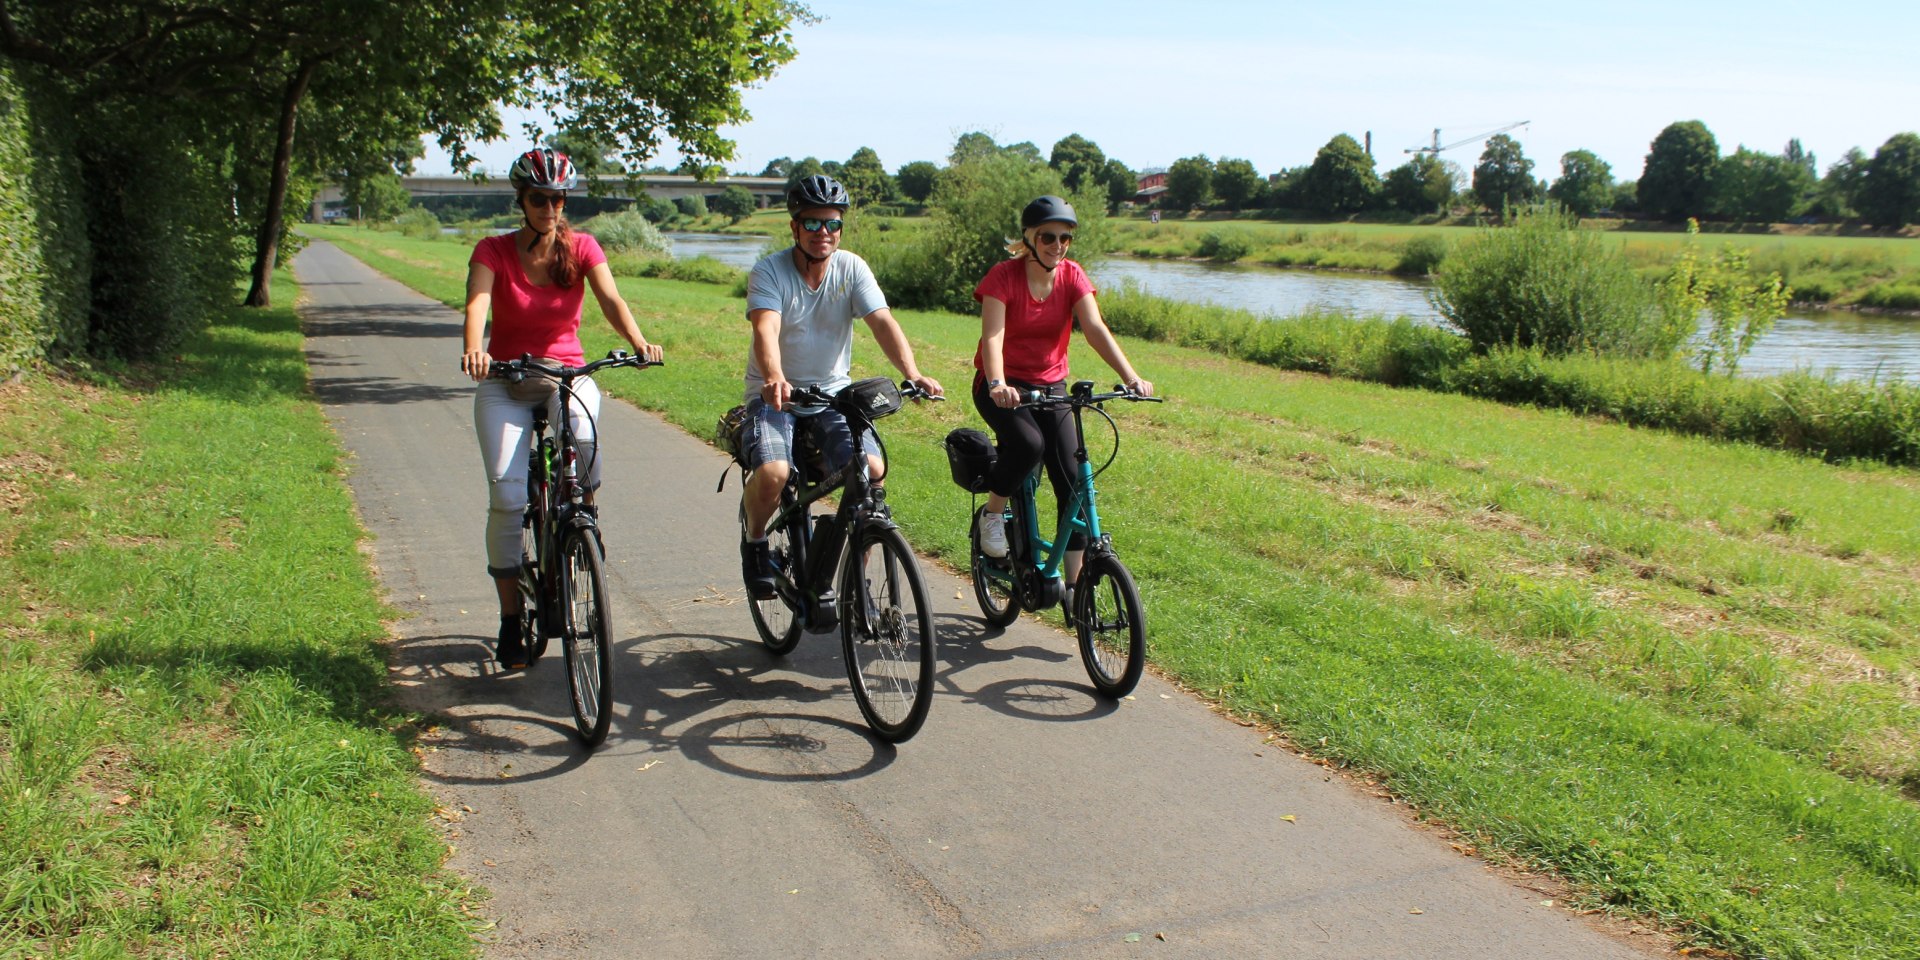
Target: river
(1853,345)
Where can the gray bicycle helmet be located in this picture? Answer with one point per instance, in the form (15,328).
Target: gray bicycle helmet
(818,190)
(1045,209)
(543,167)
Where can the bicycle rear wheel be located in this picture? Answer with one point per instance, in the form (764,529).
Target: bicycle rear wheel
(777,622)
(886,634)
(587,637)
(1113,633)
(999,599)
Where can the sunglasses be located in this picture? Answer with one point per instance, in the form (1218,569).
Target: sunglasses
(813,225)
(547,199)
(1048,238)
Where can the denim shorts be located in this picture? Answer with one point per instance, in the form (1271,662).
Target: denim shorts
(768,435)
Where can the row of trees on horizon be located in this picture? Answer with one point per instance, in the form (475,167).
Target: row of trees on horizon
(1684,176)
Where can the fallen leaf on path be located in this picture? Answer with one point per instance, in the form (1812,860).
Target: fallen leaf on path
(1161,936)
(649,765)
(1132,938)
(1289,818)
(1416,911)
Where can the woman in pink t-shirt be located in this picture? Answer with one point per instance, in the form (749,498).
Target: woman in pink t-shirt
(1029,307)
(534,281)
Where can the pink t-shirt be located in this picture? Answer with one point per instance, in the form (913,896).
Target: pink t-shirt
(543,320)
(1035,346)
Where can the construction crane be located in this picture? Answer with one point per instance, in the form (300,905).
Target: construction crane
(1438,146)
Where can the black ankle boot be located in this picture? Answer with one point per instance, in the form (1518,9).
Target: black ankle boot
(511,651)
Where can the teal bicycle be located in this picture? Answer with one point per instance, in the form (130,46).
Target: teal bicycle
(1106,614)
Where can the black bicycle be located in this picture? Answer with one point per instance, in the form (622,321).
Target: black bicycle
(1106,614)
(880,605)
(561,582)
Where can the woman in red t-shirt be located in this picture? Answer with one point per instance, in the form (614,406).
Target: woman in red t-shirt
(532,281)
(1029,306)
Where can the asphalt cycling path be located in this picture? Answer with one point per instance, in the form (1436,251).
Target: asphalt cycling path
(739,808)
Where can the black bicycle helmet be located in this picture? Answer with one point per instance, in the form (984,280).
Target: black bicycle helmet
(1045,209)
(545,168)
(818,190)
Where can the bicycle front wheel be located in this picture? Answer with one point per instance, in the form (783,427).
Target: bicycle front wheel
(999,599)
(587,635)
(886,633)
(775,619)
(1113,633)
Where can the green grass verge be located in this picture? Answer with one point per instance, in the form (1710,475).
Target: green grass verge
(1684,675)
(197,756)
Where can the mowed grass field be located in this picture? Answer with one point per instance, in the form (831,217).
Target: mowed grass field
(1682,675)
(198,754)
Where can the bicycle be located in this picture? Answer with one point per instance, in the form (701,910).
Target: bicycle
(563,589)
(1106,615)
(881,607)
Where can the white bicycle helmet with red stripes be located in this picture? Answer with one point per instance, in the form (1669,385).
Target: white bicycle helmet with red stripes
(545,168)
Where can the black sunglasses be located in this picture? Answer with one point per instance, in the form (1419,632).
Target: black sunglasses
(813,224)
(547,199)
(1047,237)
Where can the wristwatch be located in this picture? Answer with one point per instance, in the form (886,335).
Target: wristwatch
(992,383)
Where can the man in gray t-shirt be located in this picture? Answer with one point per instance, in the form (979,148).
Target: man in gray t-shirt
(802,302)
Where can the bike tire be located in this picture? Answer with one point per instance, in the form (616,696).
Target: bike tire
(999,600)
(1111,627)
(886,634)
(776,620)
(587,636)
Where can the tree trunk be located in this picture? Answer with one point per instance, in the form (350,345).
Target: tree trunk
(267,244)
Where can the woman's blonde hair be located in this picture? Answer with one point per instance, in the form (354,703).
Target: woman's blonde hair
(1018,248)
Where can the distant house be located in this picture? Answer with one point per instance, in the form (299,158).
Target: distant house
(1152,185)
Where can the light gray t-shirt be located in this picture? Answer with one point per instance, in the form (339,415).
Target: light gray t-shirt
(816,326)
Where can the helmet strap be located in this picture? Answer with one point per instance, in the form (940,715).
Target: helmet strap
(1036,256)
(538,235)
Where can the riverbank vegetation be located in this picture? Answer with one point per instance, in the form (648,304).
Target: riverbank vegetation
(198,756)
(1680,674)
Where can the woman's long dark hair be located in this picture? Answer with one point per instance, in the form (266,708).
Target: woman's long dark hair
(566,266)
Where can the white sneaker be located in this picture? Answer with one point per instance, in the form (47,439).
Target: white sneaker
(993,534)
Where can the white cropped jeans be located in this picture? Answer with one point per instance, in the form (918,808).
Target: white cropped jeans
(502,418)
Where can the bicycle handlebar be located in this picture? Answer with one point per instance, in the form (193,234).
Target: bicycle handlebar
(1085,398)
(814,395)
(516,370)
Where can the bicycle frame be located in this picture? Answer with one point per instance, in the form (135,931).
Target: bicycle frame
(1079,516)
(816,560)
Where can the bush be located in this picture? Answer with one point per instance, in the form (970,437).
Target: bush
(656,210)
(1422,255)
(45,269)
(418,223)
(695,270)
(1222,247)
(1542,283)
(693,208)
(735,203)
(1889,296)
(627,232)
(163,260)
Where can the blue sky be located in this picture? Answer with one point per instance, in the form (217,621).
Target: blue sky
(1272,82)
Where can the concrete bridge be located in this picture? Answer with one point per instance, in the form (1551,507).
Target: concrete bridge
(766,190)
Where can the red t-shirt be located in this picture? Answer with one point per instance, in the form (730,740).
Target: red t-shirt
(543,320)
(1034,349)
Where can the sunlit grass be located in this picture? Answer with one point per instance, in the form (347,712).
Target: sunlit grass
(196,755)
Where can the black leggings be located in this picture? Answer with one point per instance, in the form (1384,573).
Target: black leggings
(1026,435)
